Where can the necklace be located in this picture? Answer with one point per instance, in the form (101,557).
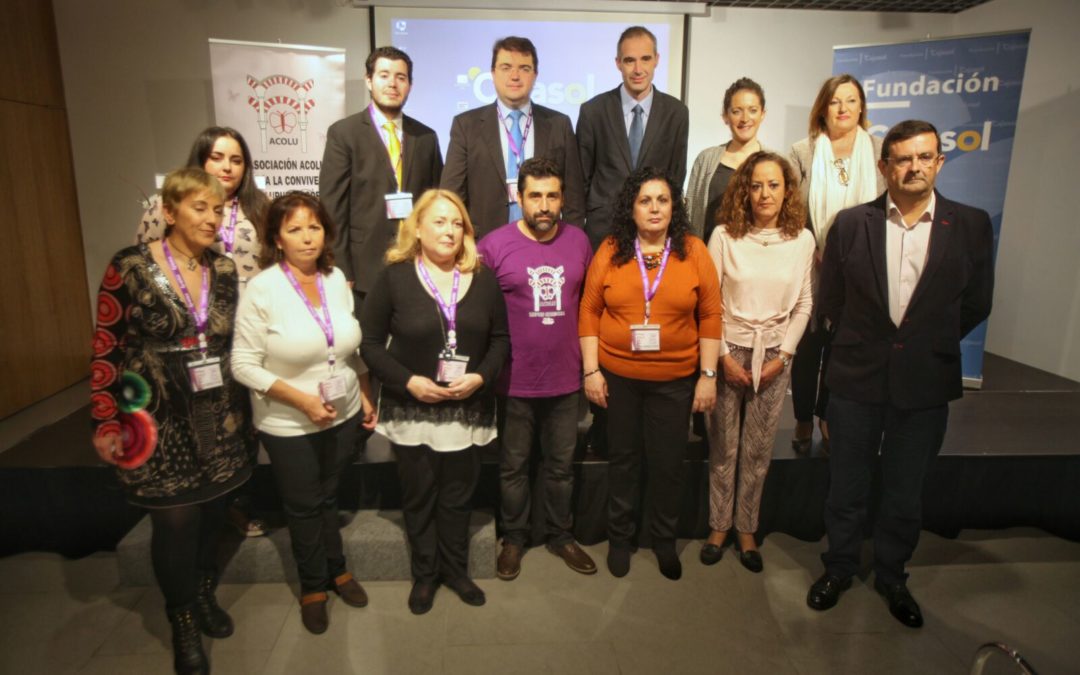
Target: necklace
(192,262)
(841,168)
(652,260)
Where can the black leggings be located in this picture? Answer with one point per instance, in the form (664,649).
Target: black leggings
(183,546)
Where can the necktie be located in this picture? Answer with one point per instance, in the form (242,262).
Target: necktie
(637,131)
(512,159)
(393,146)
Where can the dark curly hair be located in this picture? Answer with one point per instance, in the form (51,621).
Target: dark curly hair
(623,228)
(737,214)
(283,208)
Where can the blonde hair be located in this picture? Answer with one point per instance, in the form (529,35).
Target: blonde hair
(407,245)
(182,182)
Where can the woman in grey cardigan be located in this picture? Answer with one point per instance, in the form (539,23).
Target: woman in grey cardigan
(837,168)
(744,111)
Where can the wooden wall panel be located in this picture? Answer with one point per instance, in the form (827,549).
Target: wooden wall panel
(45,333)
(45,323)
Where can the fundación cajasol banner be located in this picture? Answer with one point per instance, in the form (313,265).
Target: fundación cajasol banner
(282,99)
(969,88)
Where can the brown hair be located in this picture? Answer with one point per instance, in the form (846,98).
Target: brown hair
(281,209)
(743,84)
(736,213)
(825,95)
(520,45)
(407,245)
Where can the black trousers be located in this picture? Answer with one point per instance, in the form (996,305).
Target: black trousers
(307,470)
(436,496)
(809,395)
(647,420)
(903,445)
(184,546)
(556,419)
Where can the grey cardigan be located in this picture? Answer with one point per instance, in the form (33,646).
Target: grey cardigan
(697,190)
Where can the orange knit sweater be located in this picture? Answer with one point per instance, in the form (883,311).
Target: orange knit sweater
(687,306)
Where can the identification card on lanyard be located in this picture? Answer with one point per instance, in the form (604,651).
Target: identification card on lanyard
(451,365)
(645,337)
(517,153)
(228,234)
(398,205)
(204,373)
(333,388)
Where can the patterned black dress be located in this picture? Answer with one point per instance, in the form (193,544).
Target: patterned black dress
(181,447)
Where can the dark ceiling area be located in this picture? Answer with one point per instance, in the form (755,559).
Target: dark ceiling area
(940,6)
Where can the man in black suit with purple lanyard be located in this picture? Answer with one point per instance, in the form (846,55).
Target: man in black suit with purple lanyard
(904,278)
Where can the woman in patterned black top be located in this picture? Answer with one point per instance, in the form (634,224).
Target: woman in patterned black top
(166,410)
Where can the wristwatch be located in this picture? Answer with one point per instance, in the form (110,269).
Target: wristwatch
(708,373)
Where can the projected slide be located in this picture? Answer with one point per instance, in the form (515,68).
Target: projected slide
(451,53)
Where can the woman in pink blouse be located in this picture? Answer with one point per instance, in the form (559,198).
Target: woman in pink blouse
(763,255)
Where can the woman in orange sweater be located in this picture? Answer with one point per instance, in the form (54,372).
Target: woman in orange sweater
(650,328)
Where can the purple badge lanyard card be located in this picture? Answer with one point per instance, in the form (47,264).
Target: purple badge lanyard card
(451,365)
(645,337)
(333,388)
(206,372)
(228,234)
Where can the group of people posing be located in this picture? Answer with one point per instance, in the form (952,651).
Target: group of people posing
(449,305)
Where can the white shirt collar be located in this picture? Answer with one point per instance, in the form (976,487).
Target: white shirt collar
(628,101)
(505,109)
(381,119)
(892,211)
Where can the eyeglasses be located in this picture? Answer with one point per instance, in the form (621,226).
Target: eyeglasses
(925,159)
(506,69)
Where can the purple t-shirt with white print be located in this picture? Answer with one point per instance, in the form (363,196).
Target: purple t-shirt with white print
(542,284)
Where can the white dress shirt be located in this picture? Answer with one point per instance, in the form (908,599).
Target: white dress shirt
(506,121)
(628,103)
(906,247)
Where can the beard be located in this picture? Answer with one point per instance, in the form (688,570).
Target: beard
(535,223)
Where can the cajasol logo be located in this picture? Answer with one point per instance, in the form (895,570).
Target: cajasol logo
(544,93)
(966,140)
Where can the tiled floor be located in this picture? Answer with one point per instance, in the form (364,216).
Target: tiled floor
(1021,587)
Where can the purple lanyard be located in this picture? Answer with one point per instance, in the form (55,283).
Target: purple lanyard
(650,292)
(519,153)
(324,322)
(228,234)
(201,316)
(449,309)
(386,141)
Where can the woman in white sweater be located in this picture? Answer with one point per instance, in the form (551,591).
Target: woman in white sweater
(764,255)
(296,347)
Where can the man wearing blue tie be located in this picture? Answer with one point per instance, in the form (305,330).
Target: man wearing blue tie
(488,144)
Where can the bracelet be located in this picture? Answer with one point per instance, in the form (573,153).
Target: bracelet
(591,372)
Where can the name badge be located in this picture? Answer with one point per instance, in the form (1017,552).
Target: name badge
(398,205)
(645,337)
(511,190)
(205,374)
(451,368)
(333,389)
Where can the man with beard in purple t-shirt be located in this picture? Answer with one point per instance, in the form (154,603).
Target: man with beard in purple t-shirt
(540,263)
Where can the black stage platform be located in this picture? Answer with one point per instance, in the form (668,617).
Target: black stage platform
(1011,458)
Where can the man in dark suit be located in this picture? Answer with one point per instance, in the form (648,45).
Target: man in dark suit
(903,280)
(631,126)
(488,144)
(375,163)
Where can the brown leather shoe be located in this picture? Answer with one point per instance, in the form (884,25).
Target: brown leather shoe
(313,612)
(509,565)
(350,590)
(574,557)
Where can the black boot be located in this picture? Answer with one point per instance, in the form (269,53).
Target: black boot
(188,655)
(213,620)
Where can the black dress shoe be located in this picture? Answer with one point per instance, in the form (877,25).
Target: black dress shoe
(469,592)
(901,604)
(711,554)
(618,561)
(422,597)
(752,561)
(825,592)
(668,559)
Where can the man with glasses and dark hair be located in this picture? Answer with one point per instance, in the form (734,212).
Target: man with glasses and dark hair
(540,262)
(489,144)
(374,164)
(904,278)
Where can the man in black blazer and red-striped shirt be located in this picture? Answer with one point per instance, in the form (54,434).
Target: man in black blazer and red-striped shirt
(904,278)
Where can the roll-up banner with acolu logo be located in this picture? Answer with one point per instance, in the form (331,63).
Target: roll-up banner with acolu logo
(282,99)
(969,88)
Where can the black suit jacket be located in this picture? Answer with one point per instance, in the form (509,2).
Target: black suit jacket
(476,171)
(917,364)
(605,151)
(355,177)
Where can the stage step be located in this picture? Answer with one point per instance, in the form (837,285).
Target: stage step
(375,548)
